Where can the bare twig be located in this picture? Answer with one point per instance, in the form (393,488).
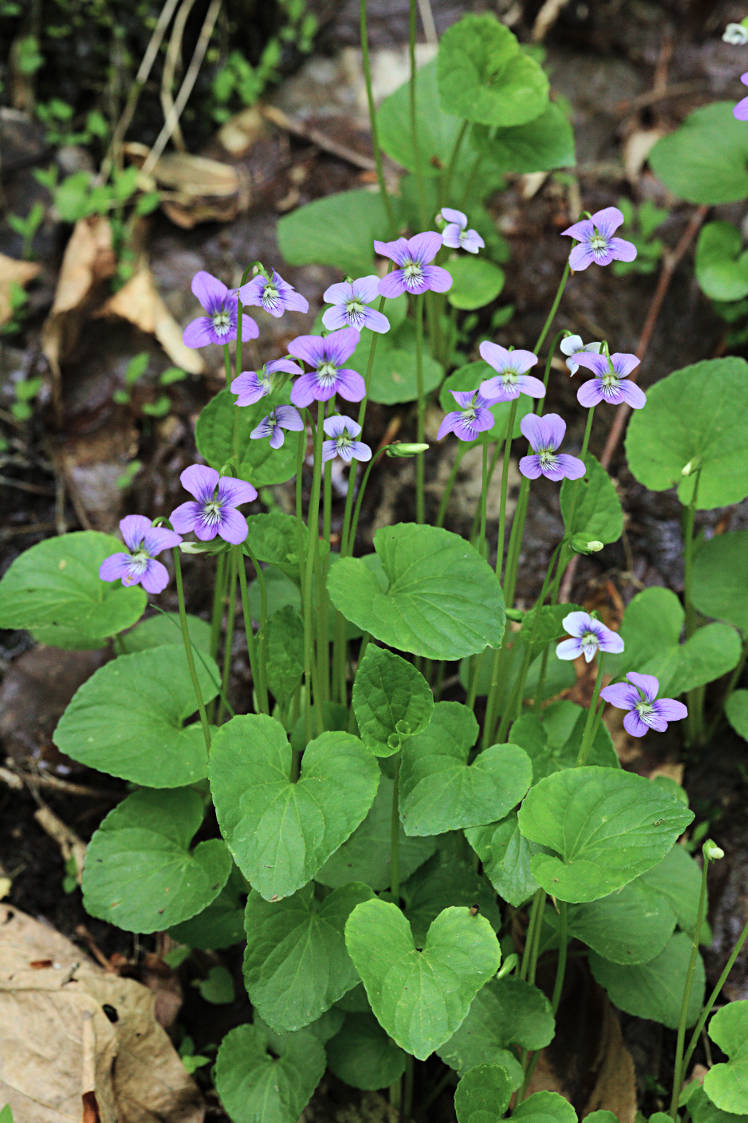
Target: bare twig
(317,137)
(173,53)
(546,18)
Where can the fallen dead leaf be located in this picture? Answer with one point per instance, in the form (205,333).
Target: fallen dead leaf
(79,1043)
(636,149)
(13,272)
(195,188)
(242,131)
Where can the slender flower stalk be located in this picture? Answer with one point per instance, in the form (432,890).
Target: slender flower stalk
(695,697)
(590,724)
(228,642)
(254,663)
(312,552)
(449,486)
(373,127)
(188,650)
(678,1068)
(412,29)
(420,417)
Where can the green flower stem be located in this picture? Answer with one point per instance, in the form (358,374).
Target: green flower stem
(563,938)
(219,597)
(491,469)
(412,28)
(395,836)
(529,955)
(324,664)
(554,309)
(227,364)
(590,724)
(300,476)
(568,553)
(228,641)
(505,489)
(188,649)
(679,1067)
(483,545)
(695,697)
(361,492)
(449,486)
(447,178)
(710,1002)
(471,179)
(475,666)
(421,416)
(312,551)
(256,659)
(366,67)
(732,682)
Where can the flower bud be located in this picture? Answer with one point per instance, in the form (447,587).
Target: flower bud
(508,965)
(736,33)
(215,546)
(712,852)
(405,449)
(581,544)
(691,467)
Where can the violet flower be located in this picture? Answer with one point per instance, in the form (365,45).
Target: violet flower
(280,418)
(456,235)
(646,710)
(596,242)
(139,567)
(472,418)
(219,326)
(414,273)
(511,380)
(252,385)
(213,510)
(350,300)
(327,355)
(571,345)
(589,635)
(545,434)
(275,295)
(608,385)
(343,431)
(740,112)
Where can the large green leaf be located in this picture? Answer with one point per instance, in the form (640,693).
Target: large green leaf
(440,792)
(54,590)
(263,1077)
(677,878)
(221,924)
(706,159)
(165,628)
(278,538)
(484,77)
(545,1107)
(393,376)
(460,955)
(695,416)
(483,1094)
(363,1055)
(704,1111)
(736,709)
(338,230)
(223,436)
(391,700)
(721,262)
(606,828)
(719,586)
(284,652)
(475,282)
(431,594)
(448,878)
(127,719)
(295,962)
(726,1085)
(655,989)
(591,506)
(632,925)
(281,832)
(437,130)
(140,873)
(505,856)
(552,742)
(539,145)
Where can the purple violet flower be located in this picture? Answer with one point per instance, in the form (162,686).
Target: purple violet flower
(139,567)
(350,300)
(276,296)
(414,273)
(608,385)
(545,434)
(280,418)
(740,112)
(472,418)
(219,326)
(589,635)
(572,345)
(343,431)
(456,235)
(251,385)
(646,710)
(596,242)
(510,380)
(213,510)
(327,355)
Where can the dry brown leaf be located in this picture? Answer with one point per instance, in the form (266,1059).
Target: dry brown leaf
(200,190)
(13,272)
(78,1043)
(139,302)
(242,131)
(636,149)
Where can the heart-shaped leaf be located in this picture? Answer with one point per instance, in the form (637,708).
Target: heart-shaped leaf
(505,856)
(363,1055)
(54,590)
(221,924)
(552,742)
(721,262)
(546,1107)
(295,962)
(460,955)
(703,1110)
(280,832)
(536,146)
(694,417)
(591,506)
(440,792)
(338,230)
(431,593)
(263,1077)
(278,538)
(165,628)
(654,990)
(393,376)
(223,435)
(719,585)
(736,709)
(391,700)
(475,282)
(140,873)
(284,652)
(133,704)
(706,159)
(447,879)
(606,827)
(483,1094)
(677,878)
(437,130)
(726,1085)
(630,926)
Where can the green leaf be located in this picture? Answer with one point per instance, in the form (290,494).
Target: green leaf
(437,130)
(224,427)
(54,590)
(440,792)
(736,709)
(217,987)
(721,262)
(391,700)
(483,1094)
(280,832)
(597,514)
(651,629)
(262,1077)
(546,1107)
(363,1055)
(726,1085)
(460,955)
(165,629)
(284,652)
(469,377)
(221,924)
(706,159)
(654,990)
(484,76)
(505,856)
(446,879)
(557,675)
(475,282)
(719,585)
(606,827)
(278,538)
(366,855)
(140,873)
(393,377)
(704,1111)
(338,230)
(431,594)
(539,145)
(295,962)
(630,926)
(677,878)
(134,705)
(552,742)
(506,1012)
(695,416)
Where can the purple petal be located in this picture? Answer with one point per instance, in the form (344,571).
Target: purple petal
(251,293)
(206,532)
(304,390)
(621,250)
(521,361)
(624,363)
(133,529)
(580,230)
(199,333)
(186,516)
(598,364)
(449,214)
(233,526)
(424,248)
(209,290)
(155,577)
(366,288)
(335,318)
(621,695)
(289,418)
(397,251)
(115,567)
(375,321)
(350,385)
(740,111)
(577,623)
(277,437)
(571,466)
(495,355)
(448,424)
(633,395)
(669,709)
(393,284)
(232,491)
(451,236)
(590,393)
(569,649)
(607,220)
(310,348)
(464,398)
(532,428)
(329,450)
(159,538)
(341,344)
(437,279)
(250,329)
(360,451)
(336,425)
(294,301)
(581,257)
(529,466)
(552,471)
(555,429)
(249,388)
(472,241)
(493,390)
(340,292)
(634,725)
(610,641)
(285,365)
(264,429)
(647,684)
(200,481)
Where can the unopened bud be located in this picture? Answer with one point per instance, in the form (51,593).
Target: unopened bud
(508,965)
(736,33)
(581,544)
(216,546)
(691,467)
(405,449)
(711,851)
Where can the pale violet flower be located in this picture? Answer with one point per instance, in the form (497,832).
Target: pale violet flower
(273,294)
(350,300)
(251,386)
(646,711)
(456,234)
(588,636)
(511,378)
(280,418)
(597,244)
(571,345)
(343,432)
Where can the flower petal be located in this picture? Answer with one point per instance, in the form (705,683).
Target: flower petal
(289,418)
(448,424)
(397,251)
(577,623)
(233,526)
(647,684)
(335,426)
(581,230)
(232,491)
(633,395)
(185,517)
(607,220)
(571,466)
(610,641)
(621,695)
(449,214)
(670,709)
(285,365)
(495,355)
(375,321)
(304,390)
(451,236)
(133,529)
(532,428)
(424,247)
(555,429)
(597,363)
(329,450)
(529,466)
(350,385)
(634,725)
(621,250)
(250,329)
(335,318)
(436,278)
(277,437)
(569,649)
(361,451)
(366,288)
(209,290)
(200,480)
(155,577)
(533,387)
(115,567)
(309,348)
(472,241)
(199,333)
(393,284)
(581,257)
(341,344)
(624,363)
(160,538)
(590,393)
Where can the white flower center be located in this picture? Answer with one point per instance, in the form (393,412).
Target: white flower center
(509,377)
(645,710)
(343,441)
(610,384)
(598,243)
(469,415)
(139,561)
(413,274)
(327,374)
(590,640)
(270,297)
(221,321)
(548,458)
(212,512)
(354,311)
